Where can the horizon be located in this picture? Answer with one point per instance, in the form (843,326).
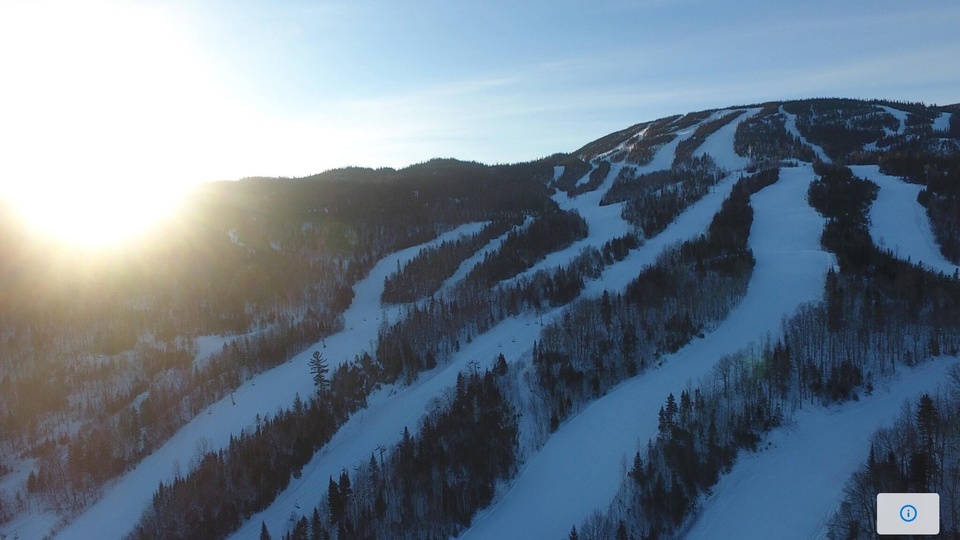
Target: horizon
(222,91)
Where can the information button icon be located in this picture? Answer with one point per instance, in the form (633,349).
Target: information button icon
(908,513)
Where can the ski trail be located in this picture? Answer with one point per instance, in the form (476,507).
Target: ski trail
(790,489)
(119,510)
(899,223)
(790,123)
(901,117)
(720,145)
(580,468)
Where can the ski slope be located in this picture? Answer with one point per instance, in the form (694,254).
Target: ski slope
(942,122)
(580,467)
(900,223)
(790,489)
(901,117)
(604,223)
(720,145)
(390,410)
(118,511)
(790,123)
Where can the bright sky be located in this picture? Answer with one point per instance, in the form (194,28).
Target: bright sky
(156,95)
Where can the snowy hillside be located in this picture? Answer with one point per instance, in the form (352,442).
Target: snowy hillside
(696,314)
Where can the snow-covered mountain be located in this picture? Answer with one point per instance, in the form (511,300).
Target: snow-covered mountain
(691,316)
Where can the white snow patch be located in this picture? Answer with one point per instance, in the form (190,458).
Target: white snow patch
(942,122)
(900,223)
(790,490)
(580,467)
(234,236)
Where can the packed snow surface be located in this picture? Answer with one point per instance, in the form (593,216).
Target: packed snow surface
(119,510)
(581,466)
(790,489)
(900,223)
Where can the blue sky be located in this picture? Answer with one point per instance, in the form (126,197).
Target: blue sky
(191,91)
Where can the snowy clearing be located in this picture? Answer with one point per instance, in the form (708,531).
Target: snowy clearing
(581,466)
(795,484)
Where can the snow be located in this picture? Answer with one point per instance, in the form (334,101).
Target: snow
(207,346)
(900,223)
(692,222)
(604,223)
(790,123)
(471,262)
(581,466)
(901,117)
(381,423)
(586,178)
(720,145)
(942,122)
(122,503)
(791,489)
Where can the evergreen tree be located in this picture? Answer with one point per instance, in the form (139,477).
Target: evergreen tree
(573,534)
(335,502)
(264,533)
(500,367)
(319,369)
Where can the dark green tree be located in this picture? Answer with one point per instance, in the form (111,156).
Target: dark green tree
(319,369)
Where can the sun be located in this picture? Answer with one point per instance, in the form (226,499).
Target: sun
(107,117)
(98,215)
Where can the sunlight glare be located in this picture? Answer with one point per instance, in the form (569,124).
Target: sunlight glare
(107,114)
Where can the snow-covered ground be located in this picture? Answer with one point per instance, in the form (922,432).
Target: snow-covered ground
(942,122)
(796,485)
(581,466)
(467,265)
(901,117)
(900,223)
(118,511)
(790,123)
(790,489)
(720,145)
(382,423)
(605,223)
